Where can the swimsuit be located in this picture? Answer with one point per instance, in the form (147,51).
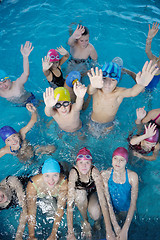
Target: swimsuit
(120,194)
(89,186)
(57,81)
(154,121)
(26,97)
(80,65)
(154,82)
(98,129)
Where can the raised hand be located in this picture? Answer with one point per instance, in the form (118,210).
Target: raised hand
(96,78)
(78,32)
(27,49)
(62,51)
(30,107)
(150,130)
(153,31)
(79,90)
(46,64)
(48,97)
(148,71)
(141,113)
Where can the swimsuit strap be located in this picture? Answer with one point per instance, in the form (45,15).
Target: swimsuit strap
(35,186)
(156,117)
(127,179)
(63,180)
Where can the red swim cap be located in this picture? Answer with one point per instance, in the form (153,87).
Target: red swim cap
(153,138)
(53,55)
(121,151)
(84,151)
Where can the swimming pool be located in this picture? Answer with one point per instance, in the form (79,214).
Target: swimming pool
(117,28)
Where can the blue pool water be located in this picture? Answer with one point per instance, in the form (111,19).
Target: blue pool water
(117,28)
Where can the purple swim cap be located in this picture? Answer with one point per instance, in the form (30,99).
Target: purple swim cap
(153,138)
(121,151)
(6,132)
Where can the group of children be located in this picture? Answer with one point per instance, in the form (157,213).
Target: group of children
(112,192)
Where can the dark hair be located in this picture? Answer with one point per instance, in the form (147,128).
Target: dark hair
(86,32)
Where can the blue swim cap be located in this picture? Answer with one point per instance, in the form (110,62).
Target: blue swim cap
(3,75)
(112,70)
(51,166)
(6,132)
(73,77)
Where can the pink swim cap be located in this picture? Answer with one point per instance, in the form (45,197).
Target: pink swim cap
(53,55)
(121,151)
(84,152)
(153,138)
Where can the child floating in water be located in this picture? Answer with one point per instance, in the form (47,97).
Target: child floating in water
(121,191)
(52,66)
(11,195)
(58,106)
(151,34)
(85,189)
(16,143)
(107,97)
(14,91)
(49,187)
(81,50)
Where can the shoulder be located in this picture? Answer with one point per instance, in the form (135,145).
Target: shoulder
(73,174)
(36,180)
(106,173)
(91,47)
(133,177)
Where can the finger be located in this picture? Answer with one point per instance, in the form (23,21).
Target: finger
(89,75)
(100,72)
(97,72)
(92,71)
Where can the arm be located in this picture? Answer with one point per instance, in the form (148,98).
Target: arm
(4,151)
(17,186)
(100,191)
(32,209)
(133,177)
(64,53)
(80,91)
(93,53)
(61,203)
(105,177)
(31,123)
(96,80)
(25,51)
(70,201)
(151,34)
(130,73)
(76,35)
(142,78)
(50,101)
(153,157)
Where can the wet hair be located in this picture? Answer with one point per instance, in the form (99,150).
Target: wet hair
(86,32)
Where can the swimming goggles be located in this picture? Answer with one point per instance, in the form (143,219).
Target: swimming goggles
(111,74)
(64,104)
(52,57)
(3,79)
(86,156)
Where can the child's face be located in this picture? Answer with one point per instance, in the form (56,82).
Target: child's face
(148,145)
(118,163)
(13,140)
(83,41)
(109,84)
(84,165)
(6,84)
(3,197)
(51,179)
(65,107)
(55,64)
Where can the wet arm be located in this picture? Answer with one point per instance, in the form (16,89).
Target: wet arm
(148,51)
(91,90)
(135,140)
(153,157)
(130,73)
(64,59)
(28,127)
(131,92)
(32,209)
(50,111)
(93,53)
(3,151)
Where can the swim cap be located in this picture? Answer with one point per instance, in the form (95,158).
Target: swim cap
(84,151)
(53,55)
(51,166)
(3,75)
(112,70)
(121,151)
(153,138)
(73,77)
(64,94)
(6,132)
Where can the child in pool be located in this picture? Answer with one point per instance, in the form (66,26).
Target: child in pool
(152,116)
(80,49)
(14,91)
(85,189)
(121,191)
(146,143)
(58,106)
(16,143)
(51,65)
(11,195)
(107,97)
(151,34)
(51,188)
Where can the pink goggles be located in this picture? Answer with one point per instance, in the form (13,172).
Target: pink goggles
(81,156)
